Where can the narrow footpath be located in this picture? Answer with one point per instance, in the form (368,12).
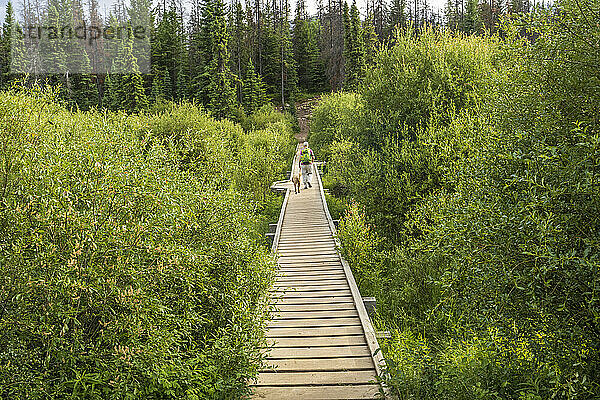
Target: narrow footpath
(323,343)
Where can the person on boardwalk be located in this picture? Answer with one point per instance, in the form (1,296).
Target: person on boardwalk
(307,158)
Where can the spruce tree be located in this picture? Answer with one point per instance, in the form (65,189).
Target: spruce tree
(240,52)
(472,22)
(160,82)
(133,95)
(354,49)
(254,95)
(9,28)
(289,78)
(168,53)
(371,41)
(220,92)
(301,38)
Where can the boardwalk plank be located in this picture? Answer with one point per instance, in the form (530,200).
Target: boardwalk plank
(315,378)
(280,301)
(317,341)
(318,331)
(314,314)
(317,392)
(314,307)
(310,322)
(321,364)
(318,352)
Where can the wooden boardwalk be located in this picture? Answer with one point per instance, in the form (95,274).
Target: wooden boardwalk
(321,337)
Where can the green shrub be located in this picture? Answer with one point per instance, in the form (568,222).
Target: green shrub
(335,119)
(492,290)
(128,268)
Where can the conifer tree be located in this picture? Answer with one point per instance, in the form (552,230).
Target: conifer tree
(160,82)
(238,45)
(220,92)
(80,87)
(371,41)
(254,95)
(141,21)
(472,22)
(301,38)
(397,18)
(289,78)
(124,88)
(354,49)
(133,96)
(8,27)
(316,68)
(168,52)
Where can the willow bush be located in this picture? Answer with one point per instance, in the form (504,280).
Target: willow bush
(487,273)
(131,265)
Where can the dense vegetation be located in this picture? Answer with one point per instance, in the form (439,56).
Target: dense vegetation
(229,57)
(471,171)
(132,264)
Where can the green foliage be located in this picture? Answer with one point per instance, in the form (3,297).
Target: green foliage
(131,263)
(253,92)
(310,67)
(168,55)
(335,119)
(354,48)
(423,80)
(378,142)
(481,184)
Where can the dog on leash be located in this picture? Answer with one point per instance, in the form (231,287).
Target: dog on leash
(296,180)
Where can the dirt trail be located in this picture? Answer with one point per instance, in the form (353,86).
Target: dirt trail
(304,111)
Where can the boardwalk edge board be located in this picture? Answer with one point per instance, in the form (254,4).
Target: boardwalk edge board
(372,342)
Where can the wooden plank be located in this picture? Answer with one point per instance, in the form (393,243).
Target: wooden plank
(316,378)
(314,307)
(312,261)
(293,236)
(321,364)
(325,293)
(312,264)
(314,314)
(308,256)
(316,392)
(306,243)
(287,262)
(318,352)
(312,275)
(313,256)
(312,278)
(280,301)
(310,286)
(313,322)
(324,226)
(317,270)
(307,251)
(308,265)
(291,241)
(316,331)
(353,340)
(291,282)
(283,248)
